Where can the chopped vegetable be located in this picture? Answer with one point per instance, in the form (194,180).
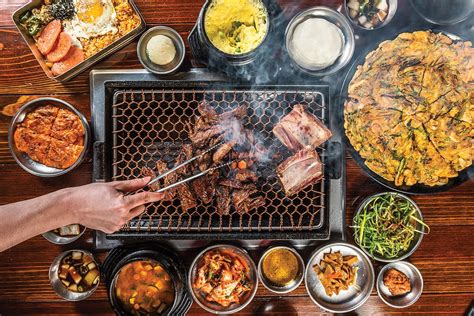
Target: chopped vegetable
(387,225)
(78,272)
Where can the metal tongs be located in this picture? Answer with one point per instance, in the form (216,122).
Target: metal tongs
(195,176)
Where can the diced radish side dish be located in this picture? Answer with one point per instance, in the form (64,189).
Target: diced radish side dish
(78,272)
(368,13)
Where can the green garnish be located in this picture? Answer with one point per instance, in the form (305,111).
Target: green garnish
(387,225)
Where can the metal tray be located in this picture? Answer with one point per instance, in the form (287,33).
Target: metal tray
(71,73)
(105,84)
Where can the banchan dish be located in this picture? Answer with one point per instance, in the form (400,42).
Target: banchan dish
(122,258)
(74,71)
(34,167)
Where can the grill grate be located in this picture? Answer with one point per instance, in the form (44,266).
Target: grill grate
(148,125)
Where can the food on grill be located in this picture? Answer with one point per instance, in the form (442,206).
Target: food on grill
(147,172)
(316,43)
(410,112)
(236,26)
(300,129)
(161,50)
(234,185)
(78,272)
(51,136)
(336,272)
(69,31)
(368,13)
(280,267)
(397,282)
(387,225)
(145,288)
(299,171)
(222,277)
(68,231)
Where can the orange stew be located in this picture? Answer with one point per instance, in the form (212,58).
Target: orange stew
(144,287)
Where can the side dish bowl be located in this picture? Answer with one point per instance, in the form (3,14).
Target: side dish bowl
(414,244)
(62,240)
(347,300)
(213,307)
(416,283)
(34,167)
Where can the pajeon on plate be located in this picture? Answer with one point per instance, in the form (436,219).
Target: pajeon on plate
(409,111)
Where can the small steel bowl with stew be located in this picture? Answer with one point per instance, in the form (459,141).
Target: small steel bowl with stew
(24,160)
(416,285)
(74,275)
(281,269)
(382,14)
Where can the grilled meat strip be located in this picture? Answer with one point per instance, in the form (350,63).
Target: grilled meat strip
(186,197)
(148,172)
(300,170)
(299,129)
(204,188)
(223,200)
(222,151)
(246,175)
(169,179)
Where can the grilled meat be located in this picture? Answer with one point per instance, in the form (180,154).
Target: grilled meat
(204,189)
(222,151)
(223,200)
(186,197)
(202,137)
(299,129)
(148,172)
(231,183)
(169,179)
(300,170)
(246,175)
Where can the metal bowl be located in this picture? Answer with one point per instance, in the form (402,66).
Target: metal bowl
(333,17)
(34,167)
(62,240)
(288,287)
(214,307)
(443,12)
(416,282)
(178,44)
(392,9)
(415,243)
(347,300)
(59,287)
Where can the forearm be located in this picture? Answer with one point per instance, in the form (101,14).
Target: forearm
(23,220)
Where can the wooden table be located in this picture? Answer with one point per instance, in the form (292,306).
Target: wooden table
(445,258)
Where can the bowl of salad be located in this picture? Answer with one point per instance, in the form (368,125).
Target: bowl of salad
(388,226)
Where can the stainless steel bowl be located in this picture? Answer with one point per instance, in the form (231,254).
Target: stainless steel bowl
(34,167)
(333,17)
(347,300)
(415,243)
(288,287)
(416,282)
(214,307)
(59,287)
(178,44)
(62,240)
(392,9)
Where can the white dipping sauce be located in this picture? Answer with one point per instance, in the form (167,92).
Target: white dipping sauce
(316,43)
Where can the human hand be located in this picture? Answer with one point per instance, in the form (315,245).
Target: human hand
(103,206)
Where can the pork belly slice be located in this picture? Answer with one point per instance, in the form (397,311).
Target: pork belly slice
(300,170)
(300,129)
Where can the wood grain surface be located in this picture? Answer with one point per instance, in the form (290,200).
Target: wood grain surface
(445,257)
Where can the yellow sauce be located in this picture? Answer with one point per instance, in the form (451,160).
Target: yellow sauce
(236,26)
(280,267)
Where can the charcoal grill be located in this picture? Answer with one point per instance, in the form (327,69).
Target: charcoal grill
(138,121)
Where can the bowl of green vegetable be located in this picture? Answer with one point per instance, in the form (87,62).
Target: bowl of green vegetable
(388,226)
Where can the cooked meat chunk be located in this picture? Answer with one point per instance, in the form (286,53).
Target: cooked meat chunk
(204,189)
(299,129)
(62,155)
(162,167)
(300,170)
(223,200)
(222,151)
(397,282)
(246,176)
(148,172)
(207,112)
(67,127)
(242,200)
(186,197)
(202,137)
(41,120)
(231,183)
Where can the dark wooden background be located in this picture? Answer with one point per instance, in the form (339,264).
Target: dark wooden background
(445,258)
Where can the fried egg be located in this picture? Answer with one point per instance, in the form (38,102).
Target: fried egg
(92,18)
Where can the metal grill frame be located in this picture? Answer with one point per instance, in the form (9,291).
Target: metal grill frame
(131,125)
(104,83)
